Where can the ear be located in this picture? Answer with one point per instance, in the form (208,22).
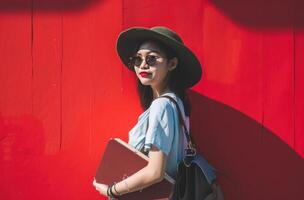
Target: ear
(173,63)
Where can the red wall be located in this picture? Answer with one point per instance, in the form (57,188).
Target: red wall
(64,92)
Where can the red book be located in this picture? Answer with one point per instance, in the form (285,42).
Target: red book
(121,160)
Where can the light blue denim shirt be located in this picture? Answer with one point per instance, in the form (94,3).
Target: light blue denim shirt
(159,126)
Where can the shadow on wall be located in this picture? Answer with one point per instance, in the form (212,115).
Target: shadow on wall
(46,5)
(252,162)
(264,14)
(257,13)
(39,174)
(22,144)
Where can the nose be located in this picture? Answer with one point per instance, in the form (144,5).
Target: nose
(144,65)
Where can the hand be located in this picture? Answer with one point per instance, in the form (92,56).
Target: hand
(101,188)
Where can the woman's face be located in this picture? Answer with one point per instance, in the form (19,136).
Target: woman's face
(154,75)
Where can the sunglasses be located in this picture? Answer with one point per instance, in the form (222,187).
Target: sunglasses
(151,60)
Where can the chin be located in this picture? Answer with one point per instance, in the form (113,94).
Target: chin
(145,82)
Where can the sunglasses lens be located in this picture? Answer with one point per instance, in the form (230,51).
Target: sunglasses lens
(137,61)
(151,60)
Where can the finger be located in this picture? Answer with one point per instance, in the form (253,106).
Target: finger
(95,184)
(97,188)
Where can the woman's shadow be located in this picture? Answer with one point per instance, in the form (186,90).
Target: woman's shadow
(260,14)
(45,5)
(252,162)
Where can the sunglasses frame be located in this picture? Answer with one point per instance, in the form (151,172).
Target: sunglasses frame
(148,61)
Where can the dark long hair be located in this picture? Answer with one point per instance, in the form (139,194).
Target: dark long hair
(145,91)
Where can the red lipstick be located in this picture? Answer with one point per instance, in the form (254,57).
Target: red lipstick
(144,74)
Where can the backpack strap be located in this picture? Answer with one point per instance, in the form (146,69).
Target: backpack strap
(190,149)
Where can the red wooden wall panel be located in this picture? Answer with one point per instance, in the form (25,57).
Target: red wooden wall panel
(234,52)
(54,96)
(278,88)
(64,92)
(299,94)
(15,57)
(16,121)
(47,82)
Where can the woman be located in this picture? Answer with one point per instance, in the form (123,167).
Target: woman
(163,66)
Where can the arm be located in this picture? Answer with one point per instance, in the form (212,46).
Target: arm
(152,173)
(159,134)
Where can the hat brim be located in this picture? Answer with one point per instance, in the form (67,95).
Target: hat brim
(129,39)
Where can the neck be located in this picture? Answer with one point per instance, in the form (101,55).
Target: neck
(160,88)
(159,91)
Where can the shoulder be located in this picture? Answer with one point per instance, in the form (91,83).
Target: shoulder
(160,107)
(163,103)
(160,102)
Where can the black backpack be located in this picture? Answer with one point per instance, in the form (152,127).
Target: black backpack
(196,179)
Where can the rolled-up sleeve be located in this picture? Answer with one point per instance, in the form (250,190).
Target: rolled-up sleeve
(160,131)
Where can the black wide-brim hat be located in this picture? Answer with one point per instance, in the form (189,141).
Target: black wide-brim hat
(131,38)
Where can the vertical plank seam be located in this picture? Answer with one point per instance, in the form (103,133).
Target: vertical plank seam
(263,90)
(294,78)
(122,27)
(260,13)
(32,55)
(92,89)
(61,72)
